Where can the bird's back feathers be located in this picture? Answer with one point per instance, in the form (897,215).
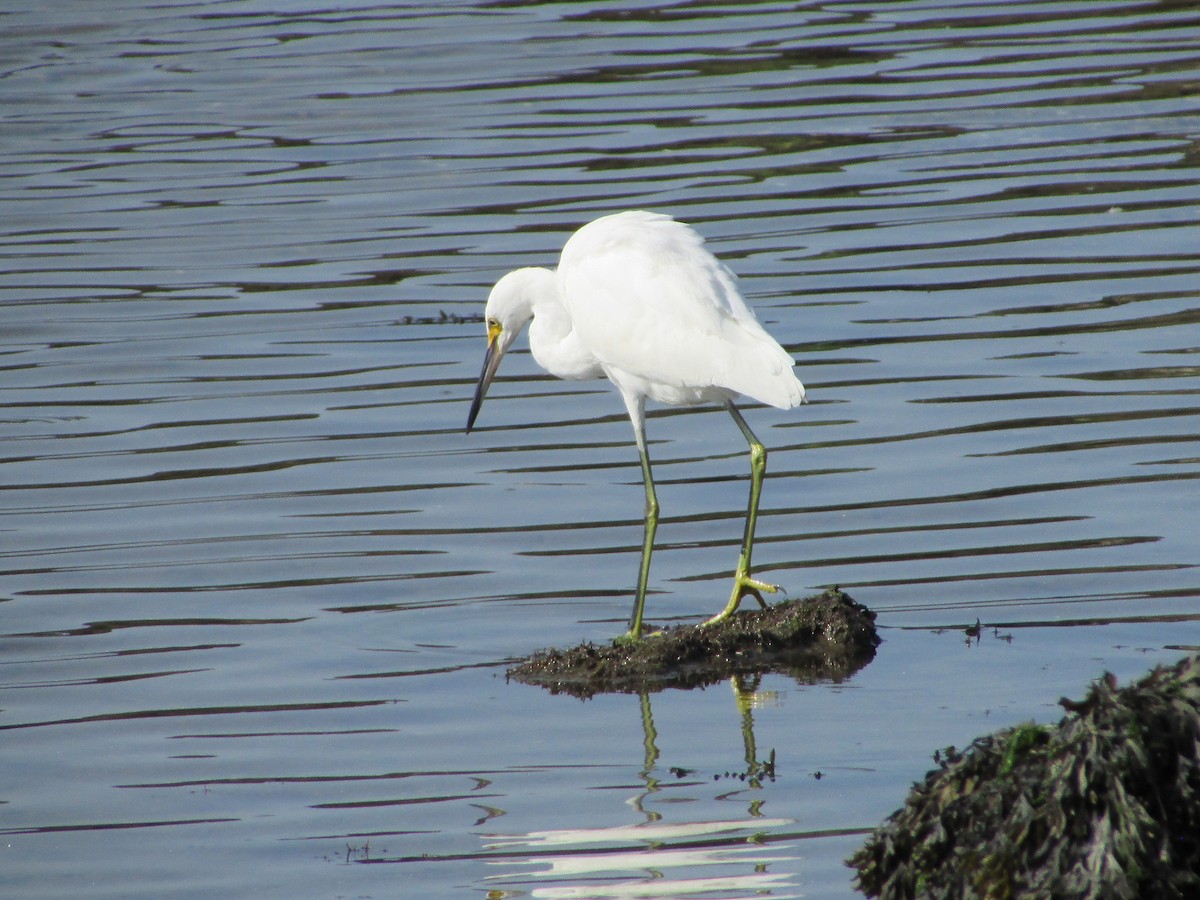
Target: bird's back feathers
(664,316)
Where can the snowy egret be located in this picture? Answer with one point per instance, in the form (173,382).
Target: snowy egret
(638,299)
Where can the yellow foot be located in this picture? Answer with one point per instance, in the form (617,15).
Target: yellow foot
(630,638)
(743,585)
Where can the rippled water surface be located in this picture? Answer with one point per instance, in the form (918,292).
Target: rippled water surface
(259,590)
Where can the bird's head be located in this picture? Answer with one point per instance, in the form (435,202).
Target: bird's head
(509,309)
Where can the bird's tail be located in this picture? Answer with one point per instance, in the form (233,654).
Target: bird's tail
(756,366)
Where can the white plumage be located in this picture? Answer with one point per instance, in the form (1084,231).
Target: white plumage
(638,299)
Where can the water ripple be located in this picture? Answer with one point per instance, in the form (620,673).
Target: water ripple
(242,267)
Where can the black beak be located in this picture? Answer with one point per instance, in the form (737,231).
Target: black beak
(491,362)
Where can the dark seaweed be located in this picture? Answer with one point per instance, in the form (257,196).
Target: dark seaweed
(826,637)
(1104,804)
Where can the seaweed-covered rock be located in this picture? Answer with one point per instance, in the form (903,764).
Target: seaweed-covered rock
(826,637)
(1104,804)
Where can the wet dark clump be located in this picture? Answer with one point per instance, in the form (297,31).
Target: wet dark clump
(1104,804)
(826,637)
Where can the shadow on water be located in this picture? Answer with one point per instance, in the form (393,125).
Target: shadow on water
(654,852)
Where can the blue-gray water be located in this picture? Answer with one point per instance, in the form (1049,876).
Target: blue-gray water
(257,589)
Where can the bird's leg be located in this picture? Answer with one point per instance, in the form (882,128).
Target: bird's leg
(639,601)
(636,404)
(743,584)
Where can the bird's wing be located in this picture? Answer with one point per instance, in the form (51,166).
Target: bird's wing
(649,301)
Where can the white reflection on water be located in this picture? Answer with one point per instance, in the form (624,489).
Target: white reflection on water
(708,844)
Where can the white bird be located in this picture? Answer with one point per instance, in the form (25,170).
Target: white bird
(638,299)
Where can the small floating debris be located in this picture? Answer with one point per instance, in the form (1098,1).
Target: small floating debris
(1104,804)
(827,637)
(442,318)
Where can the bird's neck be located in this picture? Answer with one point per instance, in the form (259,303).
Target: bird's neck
(552,338)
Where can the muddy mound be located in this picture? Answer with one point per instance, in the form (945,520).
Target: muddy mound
(1104,804)
(826,637)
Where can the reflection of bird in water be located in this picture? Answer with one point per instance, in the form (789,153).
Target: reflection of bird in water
(637,299)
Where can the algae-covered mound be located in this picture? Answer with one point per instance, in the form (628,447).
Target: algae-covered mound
(1104,804)
(828,636)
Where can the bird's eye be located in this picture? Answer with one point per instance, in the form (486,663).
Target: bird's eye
(493,323)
